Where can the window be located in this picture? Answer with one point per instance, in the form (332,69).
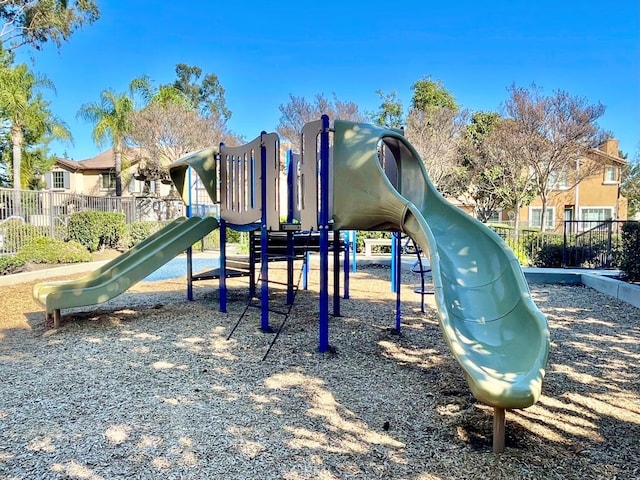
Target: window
(496,216)
(535,214)
(558,180)
(57,180)
(610,175)
(107,181)
(593,216)
(596,213)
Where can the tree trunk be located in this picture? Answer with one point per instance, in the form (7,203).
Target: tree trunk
(118,158)
(16,141)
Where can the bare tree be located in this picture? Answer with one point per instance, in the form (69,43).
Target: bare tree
(436,133)
(480,173)
(298,112)
(505,151)
(558,131)
(166,131)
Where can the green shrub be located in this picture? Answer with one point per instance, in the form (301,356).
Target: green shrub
(10,264)
(630,261)
(16,234)
(52,250)
(136,232)
(97,230)
(549,256)
(518,251)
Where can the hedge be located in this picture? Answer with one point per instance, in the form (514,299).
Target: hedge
(630,262)
(97,230)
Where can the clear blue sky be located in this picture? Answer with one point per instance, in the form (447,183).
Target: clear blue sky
(263,51)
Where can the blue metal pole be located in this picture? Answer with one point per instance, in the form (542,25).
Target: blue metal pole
(290,238)
(305,271)
(347,246)
(353,238)
(222,279)
(189,250)
(323,343)
(264,244)
(394,264)
(396,279)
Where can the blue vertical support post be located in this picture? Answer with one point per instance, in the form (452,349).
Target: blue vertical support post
(189,250)
(222,279)
(264,244)
(394,262)
(336,273)
(290,240)
(353,239)
(347,248)
(323,343)
(305,271)
(397,277)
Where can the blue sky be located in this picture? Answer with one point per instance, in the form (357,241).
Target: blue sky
(264,51)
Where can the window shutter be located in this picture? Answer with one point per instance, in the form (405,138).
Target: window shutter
(66,178)
(48,180)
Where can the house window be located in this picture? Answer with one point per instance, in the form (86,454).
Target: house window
(496,216)
(107,181)
(558,180)
(535,217)
(57,180)
(596,213)
(611,175)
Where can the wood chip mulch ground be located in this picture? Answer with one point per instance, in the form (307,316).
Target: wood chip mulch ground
(149,386)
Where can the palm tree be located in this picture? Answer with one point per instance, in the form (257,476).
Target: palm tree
(25,111)
(112,123)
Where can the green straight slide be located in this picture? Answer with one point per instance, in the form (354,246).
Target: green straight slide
(487,316)
(118,275)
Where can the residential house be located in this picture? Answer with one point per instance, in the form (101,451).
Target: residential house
(595,197)
(96,176)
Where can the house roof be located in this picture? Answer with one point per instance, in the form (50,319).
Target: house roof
(103,161)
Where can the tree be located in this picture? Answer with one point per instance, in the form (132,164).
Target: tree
(27,115)
(630,185)
(206,95)
(36,22)
(390,114)
(165,131)
(480,173)
(298,112)
(435,127)
(112,122)
(429,93)
(557,131)
(509,176)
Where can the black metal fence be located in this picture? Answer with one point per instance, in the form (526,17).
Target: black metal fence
(592,244)
(30,213)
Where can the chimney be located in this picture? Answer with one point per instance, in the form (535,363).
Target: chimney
(610,146)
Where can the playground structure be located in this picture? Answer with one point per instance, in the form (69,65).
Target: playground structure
(352,176)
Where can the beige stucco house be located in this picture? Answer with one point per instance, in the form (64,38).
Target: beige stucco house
(596,196)
(96,176)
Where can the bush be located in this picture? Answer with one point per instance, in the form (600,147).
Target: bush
(52,250)
(630,262)
(549,256)
(519,252)
(16,234)
(97,230)
(136,232)
(10,264)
